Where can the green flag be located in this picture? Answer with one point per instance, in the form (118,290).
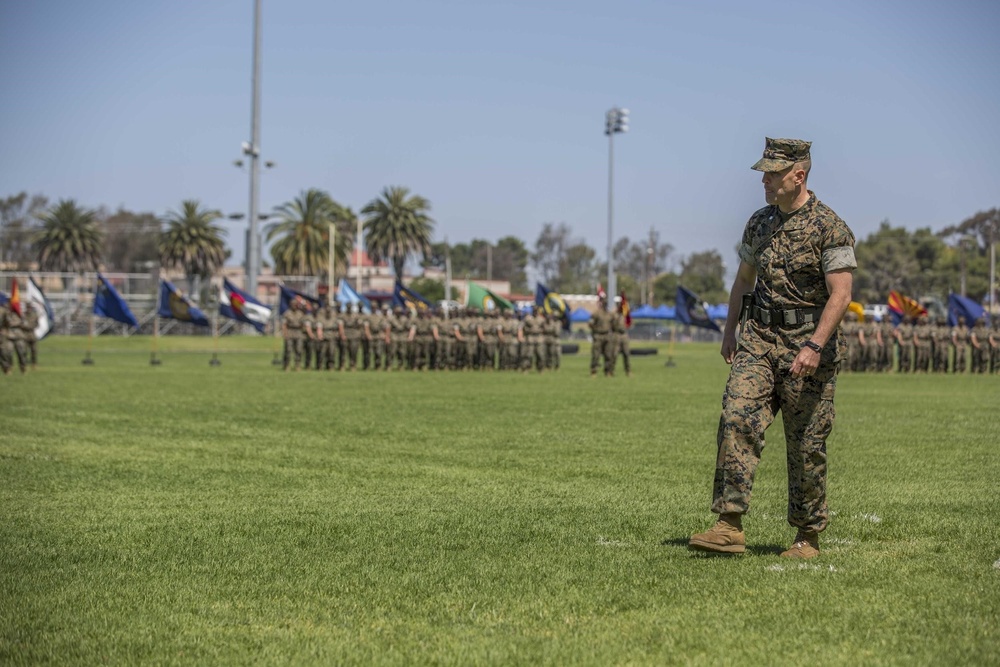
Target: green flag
(479,297)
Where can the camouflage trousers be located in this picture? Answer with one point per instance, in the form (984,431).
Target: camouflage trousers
(603,348)
(533,354)
(905,358)
(8,349)
(961,353)
(294,348)
(622,350)
(349,356)
(756,390)
(553,354)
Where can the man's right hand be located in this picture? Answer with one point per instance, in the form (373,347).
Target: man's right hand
(729,347)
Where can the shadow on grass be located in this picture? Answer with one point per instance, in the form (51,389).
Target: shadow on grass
(755,550)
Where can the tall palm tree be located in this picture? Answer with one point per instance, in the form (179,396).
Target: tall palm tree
(192,242)
(304,229)
(70,239)
(396,225)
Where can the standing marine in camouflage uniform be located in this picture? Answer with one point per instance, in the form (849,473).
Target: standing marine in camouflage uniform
(923,345)
(797,257)
(888,352)
(873,345)
(905,341)
(29,325)
(326,332)
(600,333)
(960,341)
(450,331)
(310,346)
(380,342)
(534,341)
(852,337)
(473,339)
(510,342)
(293,333)
(941,344)
(6,342)
(979,337)
(352,329)
(399,328)
(491,337)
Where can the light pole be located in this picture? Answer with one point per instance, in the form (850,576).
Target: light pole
(615,121)
(648,277)
(252,151)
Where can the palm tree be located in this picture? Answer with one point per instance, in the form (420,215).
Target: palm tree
(70,239)
(397,224)
(304,229)
(192,242)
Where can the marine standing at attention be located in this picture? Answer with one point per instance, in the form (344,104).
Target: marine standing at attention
(797,258)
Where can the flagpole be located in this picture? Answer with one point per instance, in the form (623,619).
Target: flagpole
(670,346)
(214,361)
(332,260)
(276,360)
(87,361)
(357,278)
(153,361)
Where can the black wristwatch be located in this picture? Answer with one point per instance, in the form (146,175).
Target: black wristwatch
(815,347)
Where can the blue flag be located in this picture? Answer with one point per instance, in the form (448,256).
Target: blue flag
(236,304)
(551,303)
(109,303)
(692,310)
(4,299)
(404,297)
(960,306)
(288,295)
(347,296)
(174,305)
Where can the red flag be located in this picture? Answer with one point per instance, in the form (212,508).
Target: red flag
(15,297)
(601,294)
(626,311)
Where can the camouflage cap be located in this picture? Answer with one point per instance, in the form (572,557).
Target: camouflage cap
(782,153)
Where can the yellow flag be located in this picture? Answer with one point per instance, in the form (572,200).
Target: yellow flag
(856,307)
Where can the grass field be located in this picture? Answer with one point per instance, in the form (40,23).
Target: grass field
(188,514)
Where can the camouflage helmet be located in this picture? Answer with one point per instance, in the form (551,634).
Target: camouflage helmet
(781,154)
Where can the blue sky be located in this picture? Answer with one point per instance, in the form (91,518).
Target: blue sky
(494,111)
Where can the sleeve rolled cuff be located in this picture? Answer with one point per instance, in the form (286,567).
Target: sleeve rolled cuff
(836,259)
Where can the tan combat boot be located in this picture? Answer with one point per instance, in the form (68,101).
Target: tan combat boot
(806,546)
(725,537)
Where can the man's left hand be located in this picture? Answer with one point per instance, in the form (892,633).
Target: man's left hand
(806,362)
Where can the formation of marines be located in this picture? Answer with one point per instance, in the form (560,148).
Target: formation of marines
(17,338)
(921,345)
(398,339)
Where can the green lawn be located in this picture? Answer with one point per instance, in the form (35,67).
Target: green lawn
(189,514)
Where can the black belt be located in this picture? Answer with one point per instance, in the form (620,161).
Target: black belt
(785,318)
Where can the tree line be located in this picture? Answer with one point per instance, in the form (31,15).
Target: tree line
(397,226)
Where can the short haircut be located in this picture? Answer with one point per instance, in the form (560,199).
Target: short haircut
(806,165)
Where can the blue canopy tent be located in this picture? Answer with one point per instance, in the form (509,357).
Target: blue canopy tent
(719,312)
(665,312)
(643,311)
(579,315)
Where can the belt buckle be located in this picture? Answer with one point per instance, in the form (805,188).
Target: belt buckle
(790,317)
